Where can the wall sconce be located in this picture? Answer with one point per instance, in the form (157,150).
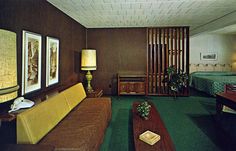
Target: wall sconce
(8,66)
(88,63)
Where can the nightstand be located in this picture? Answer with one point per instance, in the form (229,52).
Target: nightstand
(95,94)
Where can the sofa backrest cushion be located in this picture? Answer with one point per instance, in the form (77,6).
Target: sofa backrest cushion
(74,95)
(36,122)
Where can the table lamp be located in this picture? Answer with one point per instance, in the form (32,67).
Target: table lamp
(8,66)
(88,63)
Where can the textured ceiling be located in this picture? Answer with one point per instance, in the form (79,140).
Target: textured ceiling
(145,13)
(226,30)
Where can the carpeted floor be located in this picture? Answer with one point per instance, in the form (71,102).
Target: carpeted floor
(190,121)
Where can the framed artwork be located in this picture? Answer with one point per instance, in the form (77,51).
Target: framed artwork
(52,61)
(208,56)
(31,61)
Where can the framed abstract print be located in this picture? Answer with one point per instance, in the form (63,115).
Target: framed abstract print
(31,61)
(210,56)
(52,61)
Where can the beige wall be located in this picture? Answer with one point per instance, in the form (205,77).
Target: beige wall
(223,45)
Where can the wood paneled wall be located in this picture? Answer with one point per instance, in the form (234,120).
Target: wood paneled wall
(166,46)
(41,17)
(118,50)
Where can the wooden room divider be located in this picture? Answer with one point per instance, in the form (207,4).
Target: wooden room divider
(166,46)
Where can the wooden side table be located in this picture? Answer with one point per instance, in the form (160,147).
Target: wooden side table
(95,94)
(7,117)
(7,128)
(228,99)
(131,84)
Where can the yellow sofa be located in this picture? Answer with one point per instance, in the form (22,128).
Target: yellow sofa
(68,121)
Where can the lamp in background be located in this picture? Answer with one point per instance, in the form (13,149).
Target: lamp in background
(234,66)
(88,63)
(8,66)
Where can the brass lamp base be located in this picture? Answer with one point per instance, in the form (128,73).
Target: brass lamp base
(89,77)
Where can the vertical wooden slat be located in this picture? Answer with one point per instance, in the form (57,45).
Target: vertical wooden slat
(163,59)
(187,50)
(164,50)
(167,55)
(156,76)
(147,49)
(159,61)
(158,50)
(172,47)
(155,62)
(175,52)
(176,48)
(166,46)
(183,51)
(187,54)
(179,52)
(151,59)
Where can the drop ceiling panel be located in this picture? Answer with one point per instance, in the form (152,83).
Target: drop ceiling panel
(145,13)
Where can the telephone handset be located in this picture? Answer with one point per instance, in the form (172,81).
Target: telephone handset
(20,103)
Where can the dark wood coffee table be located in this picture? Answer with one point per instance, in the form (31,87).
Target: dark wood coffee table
(228,99)
(154,124)
(26,147)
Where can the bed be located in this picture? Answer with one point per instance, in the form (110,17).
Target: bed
(211,82)
(211,78)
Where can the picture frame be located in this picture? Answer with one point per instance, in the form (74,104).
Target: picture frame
(31,61)
(52,61)
(209,56)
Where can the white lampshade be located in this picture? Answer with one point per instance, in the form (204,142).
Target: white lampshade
(8,66)
(88,59)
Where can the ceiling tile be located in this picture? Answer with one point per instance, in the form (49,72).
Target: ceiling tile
(144,13)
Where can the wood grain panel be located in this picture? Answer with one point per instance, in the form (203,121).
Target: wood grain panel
(118,50)
(43,18)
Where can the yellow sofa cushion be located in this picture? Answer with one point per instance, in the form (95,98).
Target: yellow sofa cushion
(36,122)
(74,95)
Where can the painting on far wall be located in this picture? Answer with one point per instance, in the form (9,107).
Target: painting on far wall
(31,61)
(210,56)
(52,61)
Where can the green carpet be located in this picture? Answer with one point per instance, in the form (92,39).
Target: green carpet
(190,122)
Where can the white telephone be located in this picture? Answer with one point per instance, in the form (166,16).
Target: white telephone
(20,103)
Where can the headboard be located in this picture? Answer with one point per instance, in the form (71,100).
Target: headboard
(209,67)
